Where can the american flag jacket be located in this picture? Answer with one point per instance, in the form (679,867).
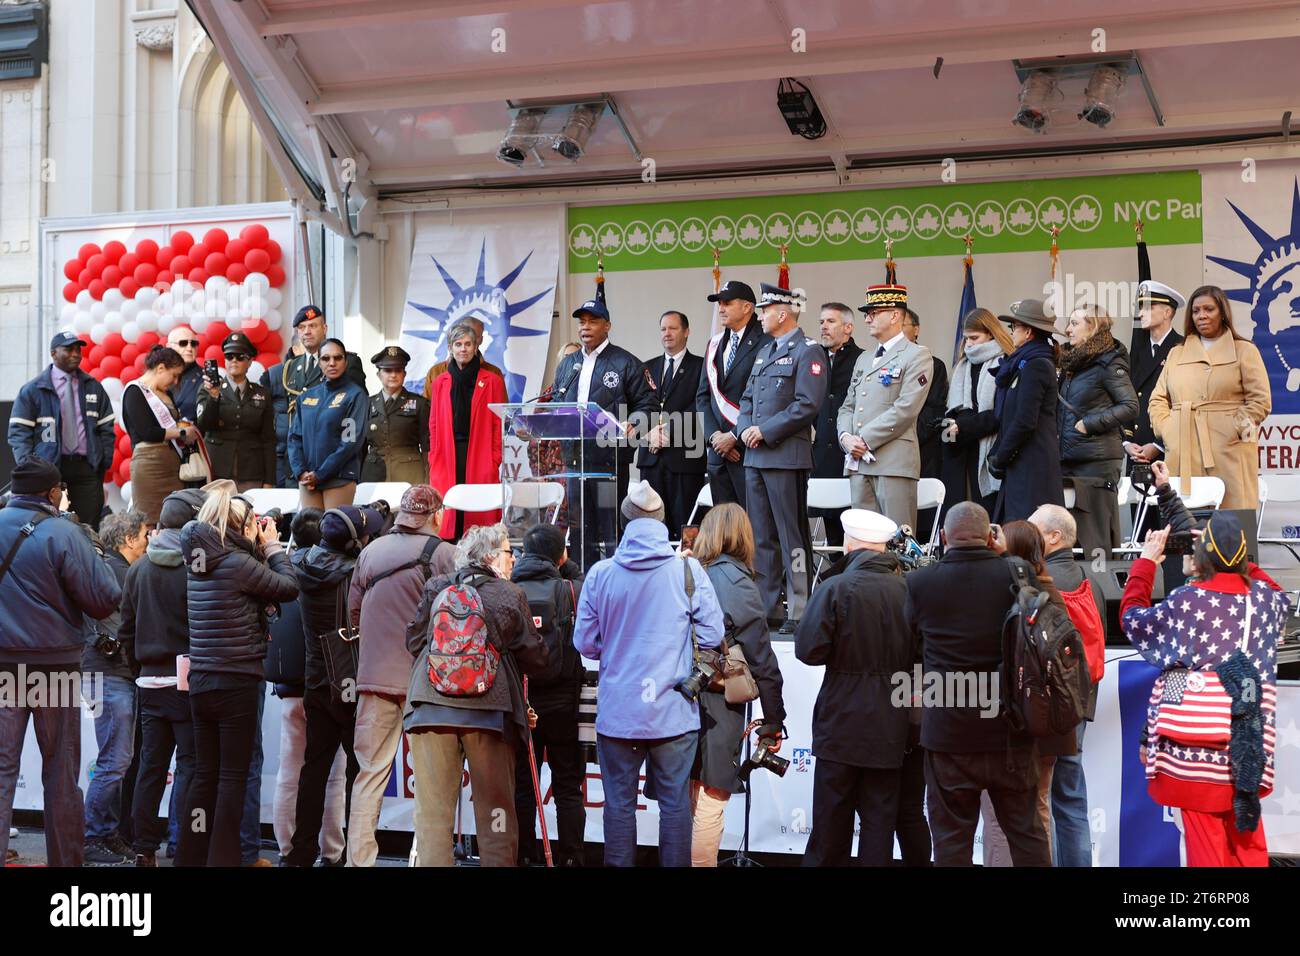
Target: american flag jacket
(1196,628)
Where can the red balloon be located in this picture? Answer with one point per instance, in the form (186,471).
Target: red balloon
(146,249)
(181,240)
(180,265)
(95,356)
(197,253)
(236,272)
(216,263)
(86,251)
(268,358)
(216,239)
(84,278)
(146,273)
(114,250)
(273,344)
(129,286)
(111,366)
(213,354)
(275,276)
(113,343)
(197,275)
(124,446)
(112,276)
(97,287)
(273,250)
(257,260)
(96,264)
(255,329)
(124,472)
(128,263)
(131,372)
(147,340)
(235,250)
(70,291)
(129,352)
(72,268)
(164,280)
(163,258)
(139,363)
(217,332)
(255,235)
(97,374)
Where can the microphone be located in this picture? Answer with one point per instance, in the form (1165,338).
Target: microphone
(558,389)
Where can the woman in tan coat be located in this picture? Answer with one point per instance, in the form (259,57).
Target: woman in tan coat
(1210,400)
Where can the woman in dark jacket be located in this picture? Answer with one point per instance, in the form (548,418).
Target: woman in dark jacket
(971,392)
(326,434)
(1096,402)
(235,568)
(1026,455)
(725,546)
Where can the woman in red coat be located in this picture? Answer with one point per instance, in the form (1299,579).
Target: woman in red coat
(464,434)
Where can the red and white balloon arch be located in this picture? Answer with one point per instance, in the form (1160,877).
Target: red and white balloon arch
(123,302)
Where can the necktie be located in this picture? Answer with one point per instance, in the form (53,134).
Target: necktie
(731,352)
(668,375)
(880,350)
(69,413)
(311,364)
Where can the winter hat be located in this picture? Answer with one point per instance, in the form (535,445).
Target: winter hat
(642,501)
(1224,541)
(35,476)
(341,529)
(180,507)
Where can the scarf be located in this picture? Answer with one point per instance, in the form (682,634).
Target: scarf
(1010,367)
(462,395)
(979,362)
(1241,680)
(1076,357)
(160,412)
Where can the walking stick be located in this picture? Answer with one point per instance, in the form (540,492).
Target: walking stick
(537,783)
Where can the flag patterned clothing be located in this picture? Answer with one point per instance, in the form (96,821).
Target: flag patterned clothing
(1194,630)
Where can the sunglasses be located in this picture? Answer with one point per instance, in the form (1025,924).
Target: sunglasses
(331,359)
(238,357)
(192,343)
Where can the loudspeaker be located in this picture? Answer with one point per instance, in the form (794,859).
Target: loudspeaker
(1108,585)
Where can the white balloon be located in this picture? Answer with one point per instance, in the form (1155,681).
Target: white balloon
(166,322)
(276,297)
(163,304)
(126,494)
(98,332)
(273,319)
(256,371)
(214,306)
(233,317)
(147,320)
(130,309)
(98,310)
(67,314)
(84,298)
(257,284)
(114,298)
(114,388)
(131,330)
(83,322)
(147,297)
(234,294)
(113,321)
(216,285)
(199,322)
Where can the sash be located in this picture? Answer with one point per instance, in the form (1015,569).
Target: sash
(161,413)
(730,411)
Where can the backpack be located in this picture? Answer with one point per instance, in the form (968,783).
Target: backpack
(1083,612)
(1044,678)
(553,606)
(463,662)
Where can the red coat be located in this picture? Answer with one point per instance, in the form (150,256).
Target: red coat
(483,463)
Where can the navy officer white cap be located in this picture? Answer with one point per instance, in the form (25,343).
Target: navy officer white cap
(1153,291)
(867,526)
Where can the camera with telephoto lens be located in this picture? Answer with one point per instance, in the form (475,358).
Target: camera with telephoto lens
(904,546)
(705,670)
(762,758)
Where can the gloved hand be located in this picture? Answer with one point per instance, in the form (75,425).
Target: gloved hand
(997,471)
(771,733)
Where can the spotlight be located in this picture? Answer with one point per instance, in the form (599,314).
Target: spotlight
(1036,96)
(571,141)
(799,109)
(1102,94)
(520,136)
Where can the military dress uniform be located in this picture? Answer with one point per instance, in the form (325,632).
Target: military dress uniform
(786,388)
(397,429)
(886,394)
(301,372)
(239,426)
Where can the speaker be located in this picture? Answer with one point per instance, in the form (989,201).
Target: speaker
(1108,585)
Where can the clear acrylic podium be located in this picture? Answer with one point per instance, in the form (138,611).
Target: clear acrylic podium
(572,452)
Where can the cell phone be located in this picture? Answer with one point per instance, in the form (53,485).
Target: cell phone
(996,531)
(210,372)
(689,534)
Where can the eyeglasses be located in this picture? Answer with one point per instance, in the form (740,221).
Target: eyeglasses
(238,357)
(191,343)
(331,359)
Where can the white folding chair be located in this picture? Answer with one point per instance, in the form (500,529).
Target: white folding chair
(1286,490)
(390,491)
(1204,491)
(536,495)
(930,493)
(264,499)
(830,494)
(703,500)
(474,498)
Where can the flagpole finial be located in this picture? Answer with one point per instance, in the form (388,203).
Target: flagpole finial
(889,248)
(970,241)
(1137,228)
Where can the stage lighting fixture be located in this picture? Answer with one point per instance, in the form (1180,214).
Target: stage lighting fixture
(571,141)
(517,142)
(799,109)
(1037,95)
(1100,99)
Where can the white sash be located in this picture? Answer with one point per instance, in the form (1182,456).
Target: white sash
(160,412)
(730,410)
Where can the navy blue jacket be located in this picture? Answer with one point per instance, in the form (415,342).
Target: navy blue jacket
(1027,450)
(35,423)
(274,380)
(186,393)
(328,415)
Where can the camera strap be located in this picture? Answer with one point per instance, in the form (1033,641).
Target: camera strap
(27,530)
(690,605)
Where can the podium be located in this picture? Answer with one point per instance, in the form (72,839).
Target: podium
(574,451)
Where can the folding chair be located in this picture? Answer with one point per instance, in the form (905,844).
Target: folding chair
(930,493)
(830,494)
(369,492)
(1284,489)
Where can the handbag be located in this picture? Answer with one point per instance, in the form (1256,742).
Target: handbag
(732,677)
(195,467)
(1194,708)
(341,650)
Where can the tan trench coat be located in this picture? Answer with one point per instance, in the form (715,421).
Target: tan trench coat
(1206,410)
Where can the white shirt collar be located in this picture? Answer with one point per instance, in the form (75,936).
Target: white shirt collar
(892,342)
(676,359)
(1168,329)
(600,348)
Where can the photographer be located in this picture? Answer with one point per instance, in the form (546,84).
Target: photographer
(108,669)
(53,580)
(856,628)
(1216,638)
(649,678)
(725,546)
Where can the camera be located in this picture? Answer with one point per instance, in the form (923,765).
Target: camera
(106,643)
(382,506)
(1179,542)
(699,679)
(1141,475)
(763,759)
(904,546)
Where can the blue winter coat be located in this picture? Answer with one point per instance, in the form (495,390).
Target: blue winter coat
(633,618)
(36,422)
(327,433)
(1027,452)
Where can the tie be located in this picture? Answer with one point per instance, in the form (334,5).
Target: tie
(69,415)
(311,364)
(880,350)
(731,352)
(668,375)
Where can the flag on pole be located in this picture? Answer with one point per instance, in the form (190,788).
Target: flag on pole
(716,325)
(783,273)
(600,279)
(1141,338)
(1056,284)
(967,300)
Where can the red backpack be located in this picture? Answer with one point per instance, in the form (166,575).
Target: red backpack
(462,659)
(1087,620)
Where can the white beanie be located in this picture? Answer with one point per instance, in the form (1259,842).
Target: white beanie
(642,501)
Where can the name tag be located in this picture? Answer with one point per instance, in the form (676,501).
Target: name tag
(311,401)
(788,360)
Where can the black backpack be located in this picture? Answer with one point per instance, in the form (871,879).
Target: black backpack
(553,605)
(1044,676)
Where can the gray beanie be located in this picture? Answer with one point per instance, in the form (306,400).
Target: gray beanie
(642,501)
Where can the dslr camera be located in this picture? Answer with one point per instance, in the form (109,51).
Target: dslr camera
(1141,475)
(106,643)
(763,759)
(705,669)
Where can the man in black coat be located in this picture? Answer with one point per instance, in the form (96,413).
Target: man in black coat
(854,625)
(672,457)
(727,364)
(1152,343)
(968,747)
(828,457)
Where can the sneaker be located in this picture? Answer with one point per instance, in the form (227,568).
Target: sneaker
(99,854)
(118,845)
(146,859)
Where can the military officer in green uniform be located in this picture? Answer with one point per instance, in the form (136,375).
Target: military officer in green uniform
(237,419)
(397,430)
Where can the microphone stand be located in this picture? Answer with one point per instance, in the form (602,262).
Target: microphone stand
(741,857)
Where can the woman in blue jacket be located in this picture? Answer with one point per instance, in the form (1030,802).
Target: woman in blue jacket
(326,435)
